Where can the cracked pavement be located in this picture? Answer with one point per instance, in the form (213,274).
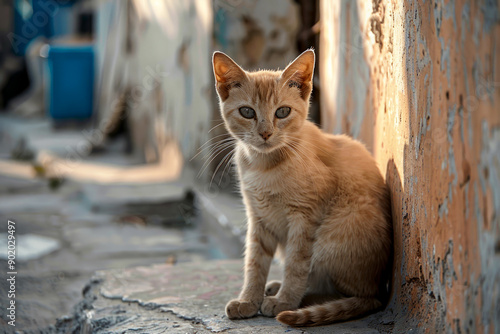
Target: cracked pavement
(184,298)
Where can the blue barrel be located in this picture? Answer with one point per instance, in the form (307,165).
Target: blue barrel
(70,88)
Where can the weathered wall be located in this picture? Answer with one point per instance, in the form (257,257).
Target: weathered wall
(419,83)
(154,57)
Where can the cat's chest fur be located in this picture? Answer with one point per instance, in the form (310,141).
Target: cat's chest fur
(271,194)
(266,190)
(269,200)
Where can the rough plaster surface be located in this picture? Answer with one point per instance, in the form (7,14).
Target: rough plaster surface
(428,110)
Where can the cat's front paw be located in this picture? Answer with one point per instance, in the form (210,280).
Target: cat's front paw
(239,309)
(272,306)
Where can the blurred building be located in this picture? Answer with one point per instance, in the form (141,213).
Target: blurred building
(155,64)
(153,67)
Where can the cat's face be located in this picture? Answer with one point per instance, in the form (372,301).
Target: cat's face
(264,110)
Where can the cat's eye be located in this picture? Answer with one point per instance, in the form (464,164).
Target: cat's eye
(283,112)
(247,112)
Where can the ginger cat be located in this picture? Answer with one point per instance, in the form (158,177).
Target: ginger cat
(318,199)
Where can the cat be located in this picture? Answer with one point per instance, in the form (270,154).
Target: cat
(319,200)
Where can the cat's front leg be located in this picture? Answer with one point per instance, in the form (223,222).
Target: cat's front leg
(260,249)
(297,266)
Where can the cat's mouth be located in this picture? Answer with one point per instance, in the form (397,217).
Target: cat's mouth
(262,146)
(265,147)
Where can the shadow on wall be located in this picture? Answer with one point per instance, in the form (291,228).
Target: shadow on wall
(393,181)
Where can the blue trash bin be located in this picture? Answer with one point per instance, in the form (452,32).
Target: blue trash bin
(70,88)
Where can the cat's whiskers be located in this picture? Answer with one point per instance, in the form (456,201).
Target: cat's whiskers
(229,163)
(215,138)
(219,141)
(218,166)
(209,162)
(212,144)
(210,147)
(222,123)
(217,151)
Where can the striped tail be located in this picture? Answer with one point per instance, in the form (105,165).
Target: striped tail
(329,312)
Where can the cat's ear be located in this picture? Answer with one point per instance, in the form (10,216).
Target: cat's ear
(227,74)
(300,73)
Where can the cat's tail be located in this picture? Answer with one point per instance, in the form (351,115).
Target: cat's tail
(329,312)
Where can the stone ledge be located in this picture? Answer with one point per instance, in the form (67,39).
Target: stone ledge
(186,298)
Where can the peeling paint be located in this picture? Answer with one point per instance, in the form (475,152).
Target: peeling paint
(445,58)
(449,13)
(477,31)
(491,14)
(448,269)
(443,208)
(438,15)
(465,22)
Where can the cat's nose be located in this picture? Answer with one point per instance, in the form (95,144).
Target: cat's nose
(266,135)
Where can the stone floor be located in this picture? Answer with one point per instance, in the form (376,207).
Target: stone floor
(184,298)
